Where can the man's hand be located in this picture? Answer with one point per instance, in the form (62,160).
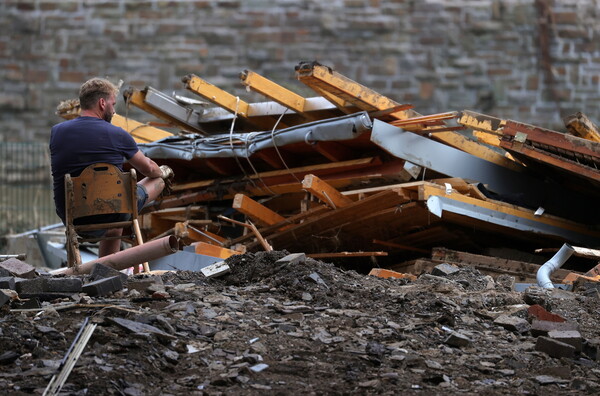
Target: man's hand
(167,172)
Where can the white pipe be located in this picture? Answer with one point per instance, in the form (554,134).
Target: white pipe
(543,274)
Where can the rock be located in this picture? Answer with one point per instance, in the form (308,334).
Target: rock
(101,271)
(171,356)
(444,269)
(18,268)
(457,340)
(512,323)
(292,259)
(554,348)
(4,298)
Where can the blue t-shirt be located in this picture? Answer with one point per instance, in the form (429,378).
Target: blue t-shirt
(83,141)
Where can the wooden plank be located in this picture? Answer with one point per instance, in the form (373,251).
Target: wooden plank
(257,212)
(346,254)
(386,274)
(481,122)
(325,192)
(577,251)
(142,133)
(212,250)
(580,125)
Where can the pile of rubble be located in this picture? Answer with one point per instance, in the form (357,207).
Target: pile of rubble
(279,322)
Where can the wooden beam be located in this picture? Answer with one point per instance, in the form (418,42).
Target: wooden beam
(481,122)
(400,246)
(274,91)
(580,125)
(224,99)
(258,213)
(142,133)
(325,192)
(137,98)
(208,249)
(326,79)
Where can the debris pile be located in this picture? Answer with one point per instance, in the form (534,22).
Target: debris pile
(277,323)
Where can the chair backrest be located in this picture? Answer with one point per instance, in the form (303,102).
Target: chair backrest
(101,189)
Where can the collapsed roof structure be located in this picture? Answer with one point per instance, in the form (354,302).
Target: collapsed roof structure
(352,173)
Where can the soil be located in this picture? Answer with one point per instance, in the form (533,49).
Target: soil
(308,328)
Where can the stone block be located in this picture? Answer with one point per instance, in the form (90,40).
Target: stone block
(18,268)
(4,272)
(7,282)
(102,287)
(538,312)
(543,327)
(457,340)
(554,348)
(30,286)
(101,271)
(571,337)
(295,258)
(66,285)
(444,269)
(512,323)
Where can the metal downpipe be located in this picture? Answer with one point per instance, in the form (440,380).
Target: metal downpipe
(127,258)
(543,274)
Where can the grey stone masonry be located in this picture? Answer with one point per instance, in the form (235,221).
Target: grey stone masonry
(440,55)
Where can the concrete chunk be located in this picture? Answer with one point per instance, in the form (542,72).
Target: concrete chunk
(101,271)
(512,323)
(7,282)
(542,327)
(554,348)
(444,269)
(570,337)
(295,258)
(102,287)
(19,268)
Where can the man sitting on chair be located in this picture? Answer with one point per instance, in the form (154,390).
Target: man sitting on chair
(90,139)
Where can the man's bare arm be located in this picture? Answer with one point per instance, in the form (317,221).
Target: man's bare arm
(145,165)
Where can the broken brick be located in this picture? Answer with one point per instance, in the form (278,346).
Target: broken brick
(538,312)
(102,287)
(29,286)
(554,348)
(66,285)
(512,323)
(571,337)
(542,327)
(18,268)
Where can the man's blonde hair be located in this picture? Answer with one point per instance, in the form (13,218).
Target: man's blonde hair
(93,89)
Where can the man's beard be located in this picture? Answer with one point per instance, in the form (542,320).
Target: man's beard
(107,116)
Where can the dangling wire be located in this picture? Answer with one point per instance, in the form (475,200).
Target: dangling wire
(277,149)
(237,103)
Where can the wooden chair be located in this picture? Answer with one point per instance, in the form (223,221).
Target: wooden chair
(100,189)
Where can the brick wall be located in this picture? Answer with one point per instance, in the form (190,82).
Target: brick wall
(509,58)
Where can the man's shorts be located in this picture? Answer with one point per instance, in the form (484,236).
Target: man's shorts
(142,197)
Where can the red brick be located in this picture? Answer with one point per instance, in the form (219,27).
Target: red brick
(538,312)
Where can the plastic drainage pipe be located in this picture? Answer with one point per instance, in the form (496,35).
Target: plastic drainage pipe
(127,258)
(543,274)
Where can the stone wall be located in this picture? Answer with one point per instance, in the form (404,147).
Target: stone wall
(533,61)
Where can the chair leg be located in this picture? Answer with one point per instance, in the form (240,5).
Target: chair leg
(140,241)
(72,245)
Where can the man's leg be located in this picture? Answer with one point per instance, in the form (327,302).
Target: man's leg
(110,246)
